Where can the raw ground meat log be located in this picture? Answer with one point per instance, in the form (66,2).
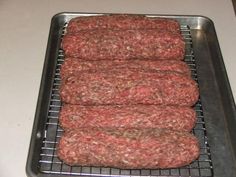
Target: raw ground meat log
(124,44)
(121,22)
(75,65)
(129,87)
(128,149)
(133,116)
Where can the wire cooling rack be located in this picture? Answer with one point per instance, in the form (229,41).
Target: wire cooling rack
(50,164)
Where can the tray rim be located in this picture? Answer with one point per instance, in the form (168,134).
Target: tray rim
(65,13)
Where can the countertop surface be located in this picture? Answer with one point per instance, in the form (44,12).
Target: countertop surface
(23,39)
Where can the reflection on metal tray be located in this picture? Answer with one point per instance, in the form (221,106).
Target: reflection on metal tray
(198,33)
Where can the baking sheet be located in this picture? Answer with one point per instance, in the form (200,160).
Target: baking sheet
(217,106)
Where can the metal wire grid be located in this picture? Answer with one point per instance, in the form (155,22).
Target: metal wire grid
(50,164)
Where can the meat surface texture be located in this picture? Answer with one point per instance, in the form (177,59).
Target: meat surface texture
(121,22)
(134,116)
(124,44)
(75,66)
(126,94)
(126,87)
(128,149)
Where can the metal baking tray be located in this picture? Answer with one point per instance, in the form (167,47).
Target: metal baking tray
(216,111)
